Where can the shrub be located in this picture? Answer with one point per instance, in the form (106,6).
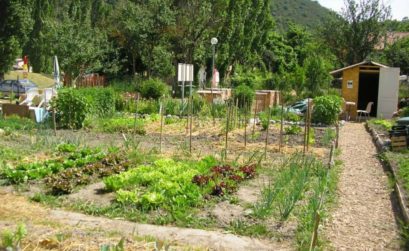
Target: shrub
(293,130)
(153,88)
(102,101)
(326,109)
(148,107)
(405,112)
(244,94)
(71,108)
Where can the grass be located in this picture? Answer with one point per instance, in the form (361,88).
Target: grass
(41,80)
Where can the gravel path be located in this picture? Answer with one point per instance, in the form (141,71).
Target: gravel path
(364,217)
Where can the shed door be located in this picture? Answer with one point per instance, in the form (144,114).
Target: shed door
(388,92)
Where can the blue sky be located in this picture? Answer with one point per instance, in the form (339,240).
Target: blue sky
(400,8)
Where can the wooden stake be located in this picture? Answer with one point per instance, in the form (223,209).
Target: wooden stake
(190,126)
(54,123)
(281,125)
(246,106)
(161,127)
(267,129)
(331,156)
(337,135)
(314,238)
(308,125)
(227,130)
(255,114)
(136,114)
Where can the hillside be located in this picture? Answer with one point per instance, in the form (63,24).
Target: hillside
(304,12)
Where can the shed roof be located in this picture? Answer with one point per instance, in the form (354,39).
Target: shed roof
(359,64)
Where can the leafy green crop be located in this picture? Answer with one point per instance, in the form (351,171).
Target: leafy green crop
(173,184)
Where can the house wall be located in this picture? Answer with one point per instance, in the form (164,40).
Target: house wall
(351,94)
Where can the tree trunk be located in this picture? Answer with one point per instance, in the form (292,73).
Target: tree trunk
(1,76)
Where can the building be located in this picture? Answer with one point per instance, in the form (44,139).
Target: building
(369,82)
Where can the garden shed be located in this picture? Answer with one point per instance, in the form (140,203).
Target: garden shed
(367,82)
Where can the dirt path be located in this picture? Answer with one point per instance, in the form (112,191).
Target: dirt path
(44,224)
(364,217)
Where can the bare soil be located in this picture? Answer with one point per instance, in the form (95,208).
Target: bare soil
(364,218)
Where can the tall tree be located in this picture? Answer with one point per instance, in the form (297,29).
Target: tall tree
(397,55)
(15,26)
(354,35)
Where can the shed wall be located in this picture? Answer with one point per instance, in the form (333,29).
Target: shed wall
(351,94)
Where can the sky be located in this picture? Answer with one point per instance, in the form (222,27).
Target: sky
(400,8)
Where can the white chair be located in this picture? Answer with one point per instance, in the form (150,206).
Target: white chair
(365,112)
(30,95)
(48,94)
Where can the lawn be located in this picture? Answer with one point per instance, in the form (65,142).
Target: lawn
(43,81)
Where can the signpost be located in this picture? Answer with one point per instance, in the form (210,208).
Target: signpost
(185,74)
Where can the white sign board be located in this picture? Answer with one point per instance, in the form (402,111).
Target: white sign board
(185,72)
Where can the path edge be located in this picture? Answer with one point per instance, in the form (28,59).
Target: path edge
(392,168)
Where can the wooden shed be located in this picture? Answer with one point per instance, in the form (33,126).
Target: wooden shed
(370,82)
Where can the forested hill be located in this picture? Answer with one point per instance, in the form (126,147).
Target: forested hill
(304,12)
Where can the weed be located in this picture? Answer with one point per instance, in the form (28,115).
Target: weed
(12,241)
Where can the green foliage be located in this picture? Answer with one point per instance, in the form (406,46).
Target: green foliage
(317,75)
(383,124)
(405,112)
(38,170)
(120,125)
(358,30)
(176,186)
(102,101)
(244,94)
(397,55)
(276,115)
(255,79)
(329,135)
(10,240)
(153,89)
(293,130)
(299,12)
(15,26)
(326,109)
(71,107)
(13,123)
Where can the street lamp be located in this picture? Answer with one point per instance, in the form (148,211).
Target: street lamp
(213,41)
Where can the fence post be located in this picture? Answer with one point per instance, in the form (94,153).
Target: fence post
(337,135)
(331,156)
(267,130)
(161,127)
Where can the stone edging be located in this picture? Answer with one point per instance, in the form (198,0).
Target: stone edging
(380,145)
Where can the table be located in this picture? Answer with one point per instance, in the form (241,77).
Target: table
(348,106)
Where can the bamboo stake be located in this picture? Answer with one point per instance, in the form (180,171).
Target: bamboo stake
(136,114)
(255,114)
(245,105)
(161,127)
(308,125)
(267,129)
(281,126)
(227,130)
(305,131)
(190,126)
(54,123)
(314,237)
(337,135)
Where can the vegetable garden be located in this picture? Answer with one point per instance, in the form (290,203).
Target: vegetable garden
(164,162)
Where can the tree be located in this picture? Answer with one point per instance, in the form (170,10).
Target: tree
(15,26)
(354,35)
(317,76)
(397,55)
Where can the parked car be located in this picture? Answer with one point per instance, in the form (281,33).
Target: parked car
(17,87)
(299,107)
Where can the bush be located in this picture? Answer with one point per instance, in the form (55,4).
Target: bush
(153,88)
(244,95)
(405,112)
(293,130)
(102,101)
(326,109)
(71,108)
(148,107)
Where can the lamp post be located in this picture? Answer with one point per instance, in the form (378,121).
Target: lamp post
(213,41)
